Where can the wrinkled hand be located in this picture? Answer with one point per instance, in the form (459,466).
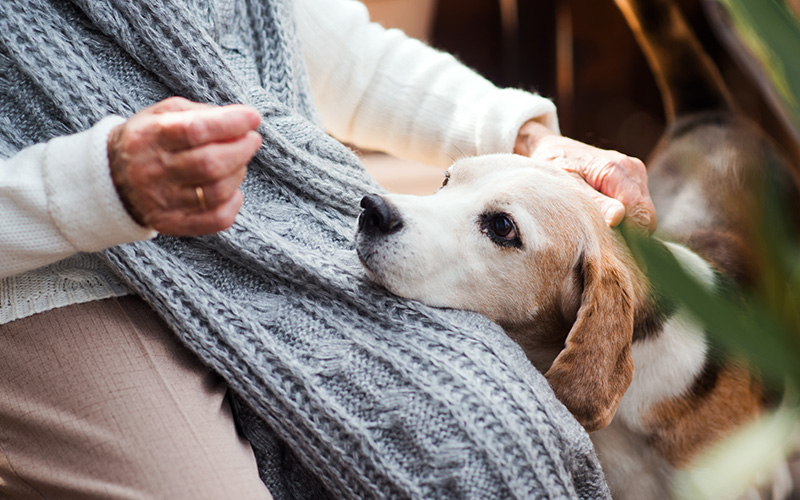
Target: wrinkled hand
(178,165)
(618,182)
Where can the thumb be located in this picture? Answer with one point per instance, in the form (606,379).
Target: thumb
(613,210)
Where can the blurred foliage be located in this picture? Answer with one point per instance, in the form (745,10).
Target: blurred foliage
(767,330)
(764,331)
(771,31)
(761,325)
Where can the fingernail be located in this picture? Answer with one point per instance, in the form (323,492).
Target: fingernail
(614,215)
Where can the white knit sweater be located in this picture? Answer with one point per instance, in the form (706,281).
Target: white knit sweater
(59,204)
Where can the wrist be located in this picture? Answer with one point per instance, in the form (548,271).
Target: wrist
(82,199)
(529,137)
(118,174)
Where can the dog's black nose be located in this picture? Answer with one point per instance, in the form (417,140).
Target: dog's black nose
(378,215)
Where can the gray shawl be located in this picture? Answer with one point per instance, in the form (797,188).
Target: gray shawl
(343,390)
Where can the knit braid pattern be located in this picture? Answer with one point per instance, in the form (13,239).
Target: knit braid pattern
(344,390)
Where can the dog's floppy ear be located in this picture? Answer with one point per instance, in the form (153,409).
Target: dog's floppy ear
(595,368)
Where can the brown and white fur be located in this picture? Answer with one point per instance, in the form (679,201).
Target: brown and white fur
(524,244)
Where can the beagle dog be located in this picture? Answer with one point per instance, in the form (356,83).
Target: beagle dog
(523,243)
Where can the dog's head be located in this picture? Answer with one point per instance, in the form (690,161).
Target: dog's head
(524,244)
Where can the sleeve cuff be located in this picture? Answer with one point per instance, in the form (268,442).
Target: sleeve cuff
(505,113)
(82,199)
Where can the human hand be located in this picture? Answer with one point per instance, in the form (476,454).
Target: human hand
(618,182)
(178,164)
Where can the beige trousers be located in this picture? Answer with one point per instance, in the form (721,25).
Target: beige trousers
(100,400)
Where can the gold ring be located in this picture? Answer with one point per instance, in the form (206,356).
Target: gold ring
(201,197)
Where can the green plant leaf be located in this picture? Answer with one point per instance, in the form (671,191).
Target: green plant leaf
(753,332)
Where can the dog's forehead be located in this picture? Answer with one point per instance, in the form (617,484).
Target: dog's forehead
(511,174)
(540,196)
(502,165)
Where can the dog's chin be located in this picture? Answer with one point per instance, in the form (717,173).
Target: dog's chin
(370,271)
(391,278)
(377,277)
(368,255)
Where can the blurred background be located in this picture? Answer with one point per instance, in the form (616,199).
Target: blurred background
(579,53)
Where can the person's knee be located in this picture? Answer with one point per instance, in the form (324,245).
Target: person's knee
(114,407)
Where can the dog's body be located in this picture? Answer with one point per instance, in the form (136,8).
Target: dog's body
(525,245)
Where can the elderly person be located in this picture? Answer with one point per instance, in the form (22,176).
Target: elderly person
(181,311)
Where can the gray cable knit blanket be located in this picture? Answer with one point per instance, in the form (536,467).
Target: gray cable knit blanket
(343,390)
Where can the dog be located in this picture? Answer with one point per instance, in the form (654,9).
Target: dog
(523,243)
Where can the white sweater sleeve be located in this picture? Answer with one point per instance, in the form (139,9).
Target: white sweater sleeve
(378,89)
(57,199)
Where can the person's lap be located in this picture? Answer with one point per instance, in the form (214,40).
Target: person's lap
(100,400)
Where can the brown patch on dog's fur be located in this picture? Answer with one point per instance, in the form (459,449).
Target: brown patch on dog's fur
(727,253)
(724,397)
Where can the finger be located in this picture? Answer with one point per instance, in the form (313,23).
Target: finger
(188,129)
(643,215)
(649,208)
(212,162)
(183,223)
(175,104)
(640,213)
(653,219)
(639,208)
(210,196)
(198,197)
(613,210)
(625,179)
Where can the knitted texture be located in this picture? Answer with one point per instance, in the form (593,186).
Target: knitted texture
(343,390)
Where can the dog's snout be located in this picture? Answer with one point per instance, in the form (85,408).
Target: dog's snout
(378,215)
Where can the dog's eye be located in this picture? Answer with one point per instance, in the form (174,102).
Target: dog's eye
(446,178)
(502,226)
(501,229)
